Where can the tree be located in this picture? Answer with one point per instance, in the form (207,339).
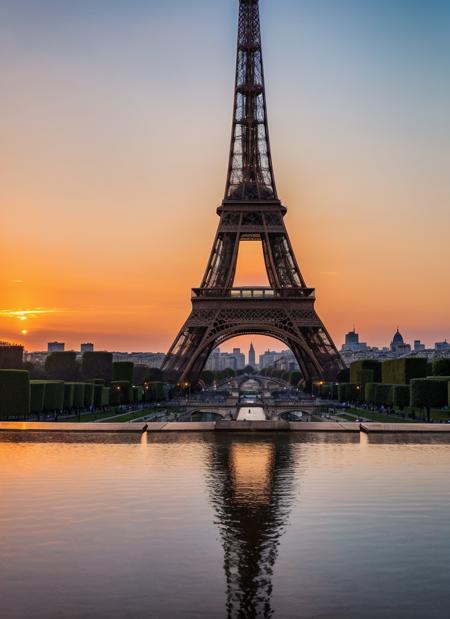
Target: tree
(294,378)
(36,371)
(207,377)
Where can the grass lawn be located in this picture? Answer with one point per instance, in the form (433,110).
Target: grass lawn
(135,415)
(118,418)
(374,416)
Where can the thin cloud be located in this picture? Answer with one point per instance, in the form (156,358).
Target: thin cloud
(37,311)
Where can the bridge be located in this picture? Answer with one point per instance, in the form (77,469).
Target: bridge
(249,393)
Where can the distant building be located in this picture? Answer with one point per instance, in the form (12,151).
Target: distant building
(55,347)
(351,338)
(251,356)
(86,348)
(442,346)
(352,343)
(150,359)
(240,358)
(218,360)
(418,346)
(398,345)
(11,356)
(284,360)
(214,361)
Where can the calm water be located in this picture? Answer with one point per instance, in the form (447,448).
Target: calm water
(224,526)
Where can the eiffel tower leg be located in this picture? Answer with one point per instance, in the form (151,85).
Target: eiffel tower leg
(188,354)
(186,343)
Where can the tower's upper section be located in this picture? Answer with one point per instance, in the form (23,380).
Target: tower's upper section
(250,173)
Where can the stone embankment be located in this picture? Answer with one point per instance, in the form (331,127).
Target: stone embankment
(227,426)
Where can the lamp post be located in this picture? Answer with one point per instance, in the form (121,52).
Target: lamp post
(187,386)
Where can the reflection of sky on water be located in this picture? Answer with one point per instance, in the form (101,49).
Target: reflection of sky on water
(289,526)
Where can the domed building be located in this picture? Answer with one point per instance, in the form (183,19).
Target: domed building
(398,344)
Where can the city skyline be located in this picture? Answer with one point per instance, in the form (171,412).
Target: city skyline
(93,243)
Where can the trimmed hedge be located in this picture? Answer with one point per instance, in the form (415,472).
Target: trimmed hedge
(122,371)
(154,392)
(88,395)
(37,394)
(348,392)
(369,392)
(11,357)
(138,394)
(105,396)
(402,371)
(384,394)
(365,376)
(96,381)
(441,367)
(54,395)
(401,396)
(97,365)
(328,391)
(61,365)
(98,395)
(120,392)
(14,393)
(68,396)
(78,394)
(366,364)
(429,392)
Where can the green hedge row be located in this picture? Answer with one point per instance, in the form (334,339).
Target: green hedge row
(122,371)
(154,392)
(137,394)
(37,393)
(359,371)
(347,392)
(14,393)
(401,396)
(62,365)
(97,365)
(402,371)
(441,367)
(45,395)
(328,391)
(121,392)
(430,392)
(369,392)
(68,395)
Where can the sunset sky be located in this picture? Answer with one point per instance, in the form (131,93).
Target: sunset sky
(115,121)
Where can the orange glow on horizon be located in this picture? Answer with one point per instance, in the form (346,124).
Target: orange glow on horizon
(108,201)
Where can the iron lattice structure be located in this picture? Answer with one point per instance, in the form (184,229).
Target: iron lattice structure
(251,210)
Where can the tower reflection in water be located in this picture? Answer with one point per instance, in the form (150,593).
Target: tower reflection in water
(252,490)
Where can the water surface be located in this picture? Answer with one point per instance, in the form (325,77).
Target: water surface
(226,525)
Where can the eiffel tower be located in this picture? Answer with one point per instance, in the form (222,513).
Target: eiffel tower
(251,211)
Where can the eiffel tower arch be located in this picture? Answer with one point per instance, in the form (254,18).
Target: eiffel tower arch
(251,211)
